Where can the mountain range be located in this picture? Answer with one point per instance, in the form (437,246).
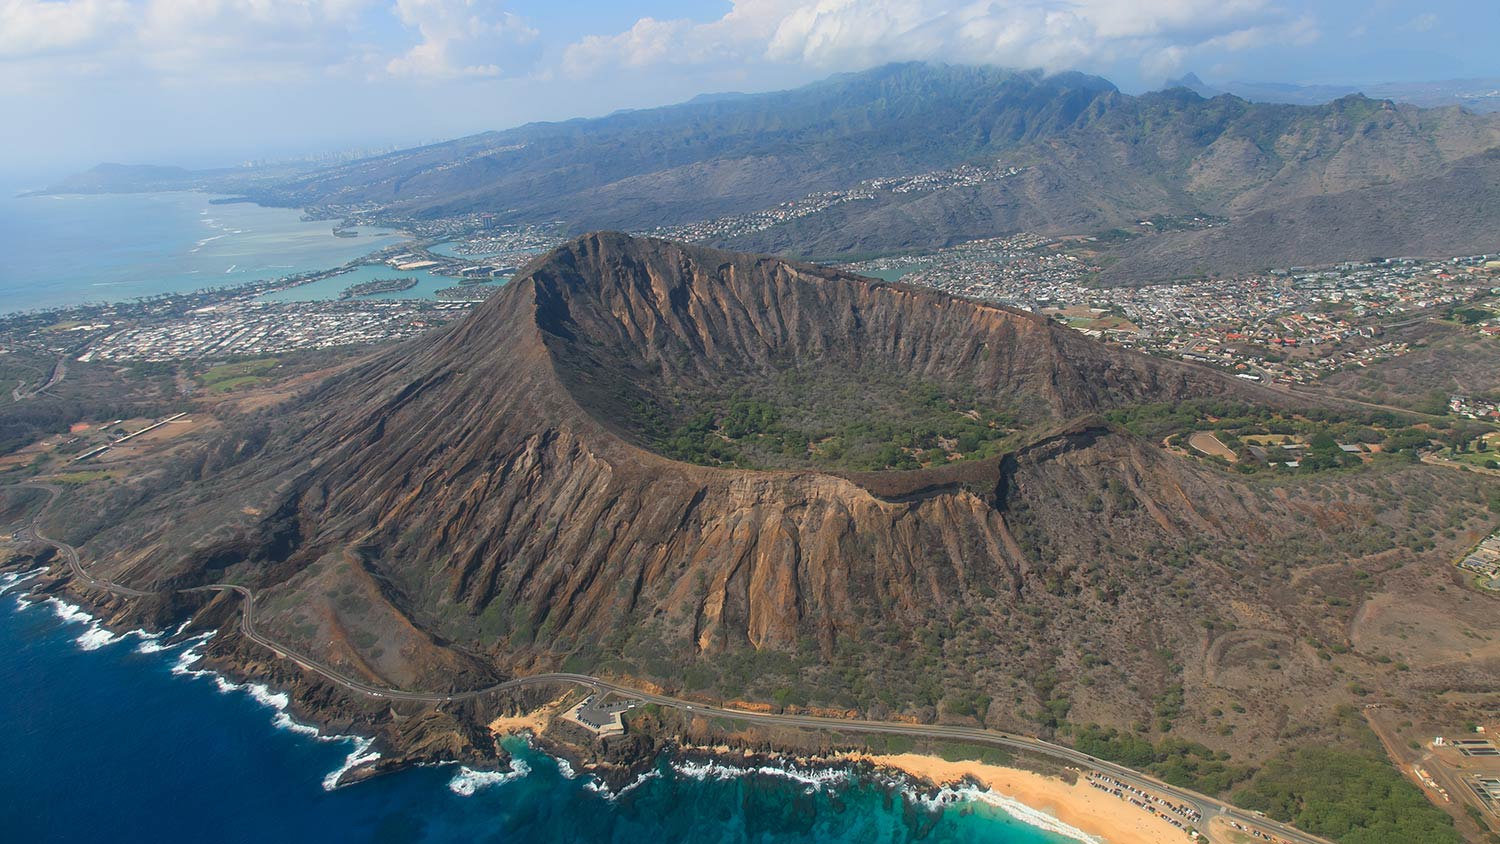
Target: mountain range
(1480,95)
(918,156)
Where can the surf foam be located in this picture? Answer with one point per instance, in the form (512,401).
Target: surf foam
(815,779)
(948,795)
(97,635)
(11,580)
(360,751)
(468,781)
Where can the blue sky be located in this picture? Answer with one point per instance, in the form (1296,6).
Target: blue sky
(209,82)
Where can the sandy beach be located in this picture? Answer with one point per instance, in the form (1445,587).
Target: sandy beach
(1102,816)
(534,722)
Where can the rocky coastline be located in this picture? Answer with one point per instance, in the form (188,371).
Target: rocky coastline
(392,735)
(405,734)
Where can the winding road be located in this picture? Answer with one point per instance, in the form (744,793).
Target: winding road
(1208,807)
(55,377)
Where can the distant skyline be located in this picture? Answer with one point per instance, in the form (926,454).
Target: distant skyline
(214,82)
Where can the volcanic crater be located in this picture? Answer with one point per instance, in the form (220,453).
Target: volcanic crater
(509,494)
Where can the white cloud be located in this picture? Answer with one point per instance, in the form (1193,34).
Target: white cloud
(741,34)
(848,34)
(33,27)
(241,40)
(459,38)
(202,41)
(1423,23)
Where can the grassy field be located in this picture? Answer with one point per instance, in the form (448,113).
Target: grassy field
(1472,455)
(80,477)
(231,376)
(236,382)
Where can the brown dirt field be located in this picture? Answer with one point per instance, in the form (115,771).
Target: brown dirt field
(1220,830)
(1430,629)
(272,394)
(1210,445)
(1272,439)
(168,432)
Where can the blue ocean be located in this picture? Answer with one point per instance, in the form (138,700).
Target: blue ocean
(119,739)
(69,250)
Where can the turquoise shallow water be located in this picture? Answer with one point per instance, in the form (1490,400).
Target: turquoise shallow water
(106,743)
(329,288)
(69,250)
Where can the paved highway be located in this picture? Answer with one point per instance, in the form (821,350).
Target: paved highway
(1208,807)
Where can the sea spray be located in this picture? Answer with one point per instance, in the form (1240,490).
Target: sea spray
(949,795)
(157,642)
(361,750)
(359,754)
(97,636)
(467,781)
(186,656)
(815,779)
(11,580)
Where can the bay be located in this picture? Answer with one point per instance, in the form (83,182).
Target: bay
(57,251)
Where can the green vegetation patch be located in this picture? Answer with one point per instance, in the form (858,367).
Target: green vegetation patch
(80,477)
(1471,315)
(1347,790)
(865,421)
(956,751)
(236,373)
(1264,438)
(229,384)
(1184,764)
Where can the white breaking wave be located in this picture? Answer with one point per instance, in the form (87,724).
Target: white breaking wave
(360,751)
(283,721)
(360,754)
(96,636)
(11,580)
(190,656)
(948,795)
(815,779)
(565,769)
(819,778)
(69,612)
(467,780)
(598,787)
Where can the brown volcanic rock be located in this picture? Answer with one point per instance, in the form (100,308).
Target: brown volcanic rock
(479,502)
(482,502)
(653,314)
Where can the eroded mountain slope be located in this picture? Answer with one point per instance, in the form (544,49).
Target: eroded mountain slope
(486,500)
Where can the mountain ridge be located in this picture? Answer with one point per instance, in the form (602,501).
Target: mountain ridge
(1079,157)
(1090,158)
